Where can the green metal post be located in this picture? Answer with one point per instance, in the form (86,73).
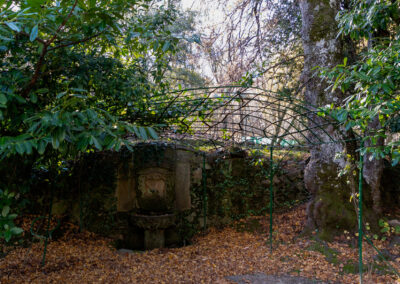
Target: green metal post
(80,208)
(204,193)
(46,240)
(360,199)
(271,196)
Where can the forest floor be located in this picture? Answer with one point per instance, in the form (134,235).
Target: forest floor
(211,258)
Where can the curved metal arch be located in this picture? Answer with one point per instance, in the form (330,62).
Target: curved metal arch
(244,108)
(270,123)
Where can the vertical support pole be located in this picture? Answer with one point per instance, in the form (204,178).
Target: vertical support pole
(46,240)
(271,195)
(204,192)
(360,200)
(80,194)
(80,206)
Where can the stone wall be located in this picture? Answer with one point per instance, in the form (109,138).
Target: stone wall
(103,190)
(238,185)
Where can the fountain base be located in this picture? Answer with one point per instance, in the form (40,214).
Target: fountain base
(154,227)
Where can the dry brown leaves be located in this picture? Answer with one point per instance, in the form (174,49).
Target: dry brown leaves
(86,258)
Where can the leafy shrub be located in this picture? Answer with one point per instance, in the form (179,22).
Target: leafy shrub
(7,226)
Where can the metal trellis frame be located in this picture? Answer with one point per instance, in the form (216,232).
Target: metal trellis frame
(249,117)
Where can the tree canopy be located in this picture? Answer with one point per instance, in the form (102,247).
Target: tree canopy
(371,81)
(76,74)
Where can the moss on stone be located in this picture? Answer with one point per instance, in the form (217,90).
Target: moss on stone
(332,209)
(324,22)
(60,207)
(329,253)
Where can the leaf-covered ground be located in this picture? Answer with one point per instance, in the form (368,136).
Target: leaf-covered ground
(87,258)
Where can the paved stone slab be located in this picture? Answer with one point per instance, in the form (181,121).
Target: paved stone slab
(124,251)
(260,278)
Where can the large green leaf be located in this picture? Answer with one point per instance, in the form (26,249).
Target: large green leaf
(13,26)
(152,133)
(34,33)
(142,132)
(3,99)
(16,230)
(5,211)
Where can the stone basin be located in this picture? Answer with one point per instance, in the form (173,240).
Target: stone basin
(153,222)
(154,226)
(152,183)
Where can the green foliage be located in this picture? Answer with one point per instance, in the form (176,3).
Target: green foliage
(371,83)
(366,17)
(386,230)
(77,76)
(59,91)
(240,186)
(7,226)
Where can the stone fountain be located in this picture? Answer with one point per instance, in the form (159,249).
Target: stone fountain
(152,187)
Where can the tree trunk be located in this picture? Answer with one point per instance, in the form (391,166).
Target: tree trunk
(330,210)
(373,168)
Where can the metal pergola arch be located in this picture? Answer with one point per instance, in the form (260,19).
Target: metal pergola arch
(207,113)
(229,115)
(229,108)
(213,111)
